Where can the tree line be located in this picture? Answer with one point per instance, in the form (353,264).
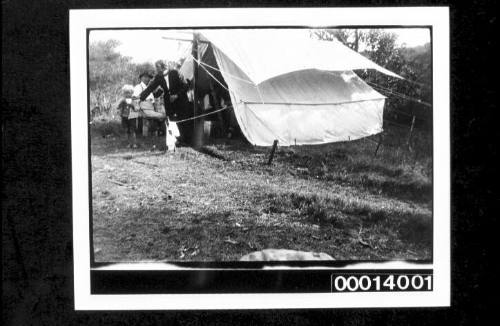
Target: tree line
(405,98)
(109,70)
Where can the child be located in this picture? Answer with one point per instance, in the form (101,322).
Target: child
(129,114)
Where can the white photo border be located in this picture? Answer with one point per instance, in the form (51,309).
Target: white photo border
(435,17)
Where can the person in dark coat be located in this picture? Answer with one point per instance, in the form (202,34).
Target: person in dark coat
(175,97)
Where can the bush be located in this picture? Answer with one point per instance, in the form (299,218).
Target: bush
(108,72)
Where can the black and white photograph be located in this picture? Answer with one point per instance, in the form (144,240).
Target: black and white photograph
(284,146)
(261,144)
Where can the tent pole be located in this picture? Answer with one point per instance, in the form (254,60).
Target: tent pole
(197,134)
(182,39)
(273,149)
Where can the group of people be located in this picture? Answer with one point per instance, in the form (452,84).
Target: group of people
(156,99)
(164,98)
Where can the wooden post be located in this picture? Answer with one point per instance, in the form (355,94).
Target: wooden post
(273,149)
(410,134)
(145,127)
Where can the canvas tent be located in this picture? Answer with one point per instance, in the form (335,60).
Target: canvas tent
(286,86)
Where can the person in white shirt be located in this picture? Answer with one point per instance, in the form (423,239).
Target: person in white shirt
(145,78)
(147,107)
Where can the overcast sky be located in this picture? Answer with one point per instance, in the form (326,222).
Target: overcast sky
(149,45)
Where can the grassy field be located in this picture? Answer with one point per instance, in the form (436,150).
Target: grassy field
(223,201)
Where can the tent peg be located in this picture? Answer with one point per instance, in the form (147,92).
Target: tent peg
(408,142)
(380,139)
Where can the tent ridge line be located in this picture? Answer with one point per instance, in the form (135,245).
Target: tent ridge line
(316,104)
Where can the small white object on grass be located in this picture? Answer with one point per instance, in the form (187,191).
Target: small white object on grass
(171,134)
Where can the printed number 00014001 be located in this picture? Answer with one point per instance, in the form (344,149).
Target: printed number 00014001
(382,283)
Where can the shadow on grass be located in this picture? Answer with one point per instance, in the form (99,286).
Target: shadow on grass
(341,213)
(417,230)
(356,168)
(163,234)
(213,236)
(236,149)
(405,187)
